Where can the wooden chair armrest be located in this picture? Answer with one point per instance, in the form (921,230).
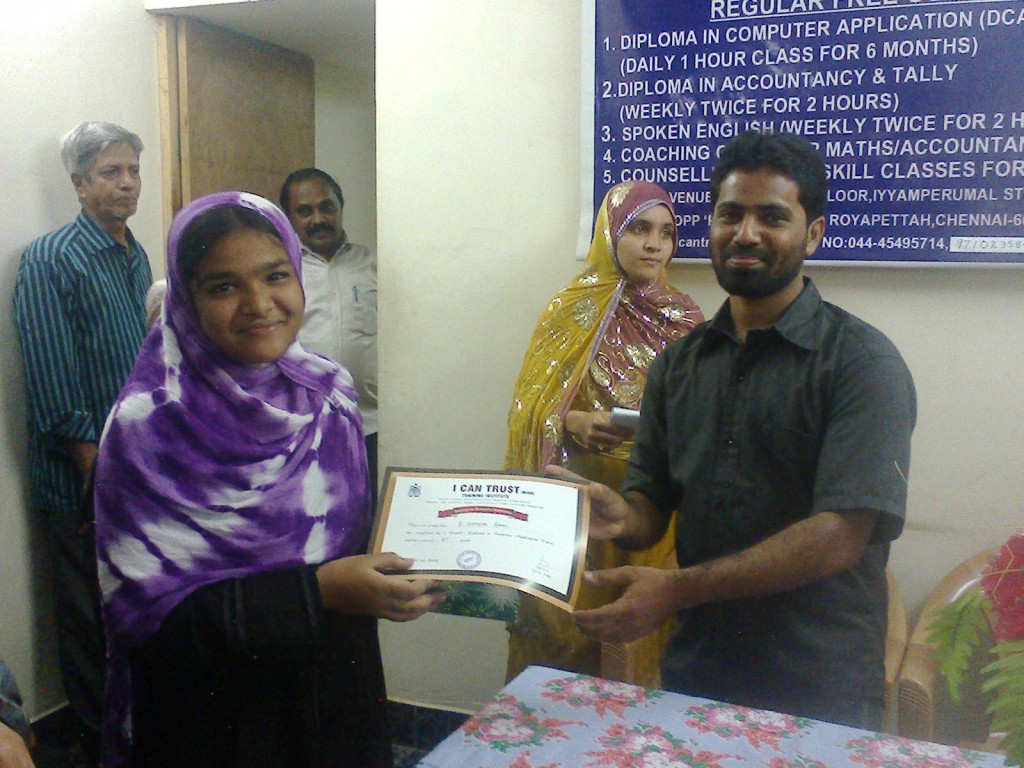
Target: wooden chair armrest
(916,693)
(895,651)
(993,744)
(618,661)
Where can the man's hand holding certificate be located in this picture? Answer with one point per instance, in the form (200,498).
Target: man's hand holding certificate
(521,531)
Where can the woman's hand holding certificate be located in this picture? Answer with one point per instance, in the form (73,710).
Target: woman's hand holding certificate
(522,531)
(373,585)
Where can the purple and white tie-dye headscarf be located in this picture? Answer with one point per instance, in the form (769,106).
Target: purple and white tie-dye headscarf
(210,470)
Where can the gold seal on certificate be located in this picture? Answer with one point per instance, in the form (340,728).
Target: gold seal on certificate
(527,532)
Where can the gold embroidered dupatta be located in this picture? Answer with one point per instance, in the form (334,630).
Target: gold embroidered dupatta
(601,325)
(591,351)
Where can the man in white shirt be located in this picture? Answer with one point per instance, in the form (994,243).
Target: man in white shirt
(340,281)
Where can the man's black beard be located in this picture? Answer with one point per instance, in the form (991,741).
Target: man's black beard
(754,283)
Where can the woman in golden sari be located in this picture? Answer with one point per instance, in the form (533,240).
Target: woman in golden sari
(589,353)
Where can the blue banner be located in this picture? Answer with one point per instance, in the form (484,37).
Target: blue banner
(916,105)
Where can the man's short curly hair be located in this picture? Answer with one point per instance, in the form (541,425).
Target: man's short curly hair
(786,153)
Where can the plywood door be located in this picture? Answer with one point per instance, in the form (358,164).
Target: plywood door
(237,113)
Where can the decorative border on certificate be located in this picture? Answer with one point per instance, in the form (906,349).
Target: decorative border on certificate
(528,532)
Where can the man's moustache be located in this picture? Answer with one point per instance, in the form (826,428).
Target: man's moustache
(321,228)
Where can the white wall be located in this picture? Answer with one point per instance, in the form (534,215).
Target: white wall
(61,61)
(478,188)
(345,143)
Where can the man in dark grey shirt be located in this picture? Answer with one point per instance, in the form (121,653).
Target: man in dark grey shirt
(779,434)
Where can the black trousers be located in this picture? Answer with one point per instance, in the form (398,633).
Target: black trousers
(80,638)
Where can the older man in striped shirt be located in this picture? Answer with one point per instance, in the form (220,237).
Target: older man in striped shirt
(79,307)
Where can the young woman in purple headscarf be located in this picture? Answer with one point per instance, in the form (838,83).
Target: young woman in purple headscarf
(232,511)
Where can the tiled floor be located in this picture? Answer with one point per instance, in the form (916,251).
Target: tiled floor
(417,730)
(407,757)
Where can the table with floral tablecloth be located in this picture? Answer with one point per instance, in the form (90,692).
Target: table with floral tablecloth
(547,718)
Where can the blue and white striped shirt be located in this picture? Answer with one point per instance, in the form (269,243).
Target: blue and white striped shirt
(79,307)
(12,713)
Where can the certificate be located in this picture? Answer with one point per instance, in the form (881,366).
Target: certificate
(522,531)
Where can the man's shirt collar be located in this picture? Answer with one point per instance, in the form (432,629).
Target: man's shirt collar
(797,324)
(98,236)
(343,248)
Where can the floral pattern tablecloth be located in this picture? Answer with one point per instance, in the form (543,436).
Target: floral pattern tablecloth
(546,718)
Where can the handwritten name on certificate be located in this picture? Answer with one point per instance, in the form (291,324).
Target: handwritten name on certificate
(520,531)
